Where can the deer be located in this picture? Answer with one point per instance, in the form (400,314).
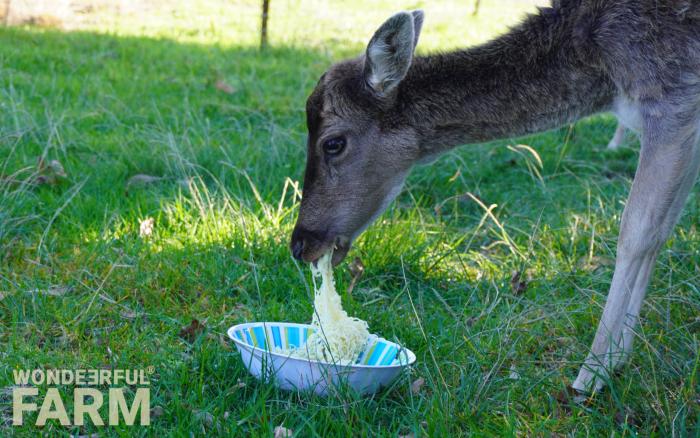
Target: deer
(618,137)
(372,118)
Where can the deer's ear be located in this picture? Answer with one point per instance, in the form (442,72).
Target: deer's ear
(390,51)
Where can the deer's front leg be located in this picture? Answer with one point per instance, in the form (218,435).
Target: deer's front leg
(668,167)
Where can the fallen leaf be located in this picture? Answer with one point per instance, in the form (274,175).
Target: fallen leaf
(146,227)
(224,342)
(57,168)
(590,264)
(517,284)
(142,180)
(127,313)
(568,398)
(54,291)
(282,432)
(205,417)
(49,173)
(190,332)
(224,86)
(356,269)
(514,374)
(564,398)
(417,385)
(157,411)
(625,416)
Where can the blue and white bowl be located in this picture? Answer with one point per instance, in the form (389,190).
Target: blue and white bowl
(377,366)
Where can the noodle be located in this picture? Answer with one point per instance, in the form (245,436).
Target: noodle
(337,338)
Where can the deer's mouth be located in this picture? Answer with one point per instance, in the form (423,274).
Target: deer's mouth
(342,246)
(339,246)
(306,246)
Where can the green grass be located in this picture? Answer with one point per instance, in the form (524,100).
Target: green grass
(136,97)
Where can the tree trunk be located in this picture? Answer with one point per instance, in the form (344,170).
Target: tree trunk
(6,18)
(477,3)
(263,26)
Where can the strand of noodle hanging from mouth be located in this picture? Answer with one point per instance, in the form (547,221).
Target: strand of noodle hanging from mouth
(337,338)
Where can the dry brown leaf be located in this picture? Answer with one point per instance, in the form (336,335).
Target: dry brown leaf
(56,167)
(54,291)
(568,398)
(592,263)
(157,411)
(127,313)
(356,269)
(625,416)
(224,342)
(191,332)
(49,173)
(142,180)
(417,385)
(518,284)
(282,432)
(205,417)
(224,86)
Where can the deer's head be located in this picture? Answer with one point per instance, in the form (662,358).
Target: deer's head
(360,147)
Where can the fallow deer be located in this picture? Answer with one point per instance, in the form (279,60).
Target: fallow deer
(372,118)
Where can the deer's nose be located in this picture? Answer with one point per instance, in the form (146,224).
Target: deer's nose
(307,245)
(297,248)
(298,242)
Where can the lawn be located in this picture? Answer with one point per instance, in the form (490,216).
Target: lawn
(182,147)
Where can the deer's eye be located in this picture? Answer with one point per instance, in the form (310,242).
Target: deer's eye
(334,146)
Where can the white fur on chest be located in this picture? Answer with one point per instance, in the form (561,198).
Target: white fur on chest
(628,113)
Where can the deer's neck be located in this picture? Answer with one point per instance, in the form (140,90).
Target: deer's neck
(536,77)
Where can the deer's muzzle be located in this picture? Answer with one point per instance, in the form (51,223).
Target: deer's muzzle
(309,246)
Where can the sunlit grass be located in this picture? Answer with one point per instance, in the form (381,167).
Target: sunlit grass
(139,96)
(327,26)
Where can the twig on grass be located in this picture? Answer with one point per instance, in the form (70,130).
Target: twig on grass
(72,195)
(97,292)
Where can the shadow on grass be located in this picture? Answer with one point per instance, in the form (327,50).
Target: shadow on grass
(109,108)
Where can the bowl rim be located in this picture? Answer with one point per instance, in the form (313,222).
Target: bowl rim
(411,355)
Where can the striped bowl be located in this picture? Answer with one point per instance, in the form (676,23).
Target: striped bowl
(259,342)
